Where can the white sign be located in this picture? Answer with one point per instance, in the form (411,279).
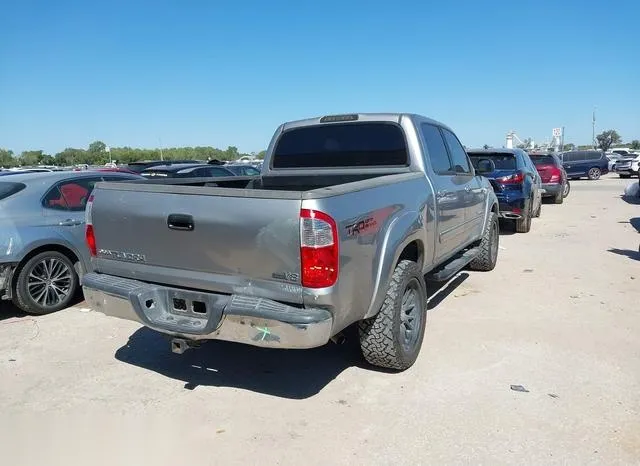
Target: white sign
(557,132)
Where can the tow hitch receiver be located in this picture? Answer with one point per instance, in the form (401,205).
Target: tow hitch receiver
(180,345)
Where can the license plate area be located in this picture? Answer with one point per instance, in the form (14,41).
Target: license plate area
(178,310)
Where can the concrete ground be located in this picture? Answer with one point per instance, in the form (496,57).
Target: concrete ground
(560,316)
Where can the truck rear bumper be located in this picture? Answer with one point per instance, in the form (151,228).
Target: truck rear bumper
(196,315)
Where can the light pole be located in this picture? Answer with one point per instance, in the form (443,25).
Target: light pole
(593,128)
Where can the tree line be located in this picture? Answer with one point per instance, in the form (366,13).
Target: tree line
(99,154)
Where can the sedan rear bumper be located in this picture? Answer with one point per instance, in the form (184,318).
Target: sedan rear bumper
(551,189)
(196,315)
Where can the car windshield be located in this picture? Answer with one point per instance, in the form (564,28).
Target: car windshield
(8,188)
(501,161)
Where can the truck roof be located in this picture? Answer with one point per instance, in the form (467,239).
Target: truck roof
(347,117)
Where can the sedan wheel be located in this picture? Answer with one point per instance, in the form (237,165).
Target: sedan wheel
(46,283)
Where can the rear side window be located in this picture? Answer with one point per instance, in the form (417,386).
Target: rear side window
(70,195)
(9,189)
(593,156)
(438,155)
(501,161)
(458,155)
(341,145)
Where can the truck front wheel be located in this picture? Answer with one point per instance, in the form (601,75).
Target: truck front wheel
(392,338)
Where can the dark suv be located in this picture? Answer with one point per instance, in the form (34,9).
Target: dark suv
(581,163)
(515,181)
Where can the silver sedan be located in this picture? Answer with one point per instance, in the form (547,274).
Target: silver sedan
(42,245)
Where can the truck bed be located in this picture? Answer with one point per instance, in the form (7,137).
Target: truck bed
(227,235)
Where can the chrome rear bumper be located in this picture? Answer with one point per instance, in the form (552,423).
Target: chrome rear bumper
(238,318)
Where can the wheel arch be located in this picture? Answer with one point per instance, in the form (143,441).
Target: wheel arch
(402,241)
(65,250)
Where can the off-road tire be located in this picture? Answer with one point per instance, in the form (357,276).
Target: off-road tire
(23,300)
(381,335)
(523,225)
(489,244)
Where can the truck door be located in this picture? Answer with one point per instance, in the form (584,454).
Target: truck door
(472,196)
(450,193)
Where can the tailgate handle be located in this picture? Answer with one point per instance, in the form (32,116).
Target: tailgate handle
(180,222)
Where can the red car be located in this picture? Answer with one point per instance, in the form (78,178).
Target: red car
(554,178)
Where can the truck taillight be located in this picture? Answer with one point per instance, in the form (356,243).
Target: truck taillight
(319,252)
(88,233)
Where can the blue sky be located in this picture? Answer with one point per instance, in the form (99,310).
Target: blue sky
(141,73)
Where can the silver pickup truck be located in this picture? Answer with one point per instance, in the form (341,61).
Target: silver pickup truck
(350,215)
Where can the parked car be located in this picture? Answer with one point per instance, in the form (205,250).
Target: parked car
(516,182)
(187,170)
(138,167)
(350,213)
(243,169)
(581,163)
(554,179)
(628,166)
(613,158)
(42,239)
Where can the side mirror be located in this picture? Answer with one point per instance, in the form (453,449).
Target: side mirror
(485,166)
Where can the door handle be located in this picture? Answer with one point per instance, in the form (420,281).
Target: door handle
(70,223)
(180,222)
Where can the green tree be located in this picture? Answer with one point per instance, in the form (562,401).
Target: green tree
(97,147)
(70,156)
(7,159)
(569,146)
(635,144)
(608,138)
(261,154)
(31,157)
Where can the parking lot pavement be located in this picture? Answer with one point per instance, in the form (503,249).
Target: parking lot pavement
(560,317)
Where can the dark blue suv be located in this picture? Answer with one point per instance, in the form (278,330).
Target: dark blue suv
(581,163)
(515,181)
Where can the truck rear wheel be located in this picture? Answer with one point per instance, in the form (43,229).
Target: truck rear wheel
(393,337)
(489,244)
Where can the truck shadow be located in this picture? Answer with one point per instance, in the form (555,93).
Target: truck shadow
(292,374)
(438,292)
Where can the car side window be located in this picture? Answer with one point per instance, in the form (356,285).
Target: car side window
(219,172)
(70,195)
(437,150)
(459,156)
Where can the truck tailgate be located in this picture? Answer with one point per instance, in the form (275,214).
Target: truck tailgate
(221,243)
